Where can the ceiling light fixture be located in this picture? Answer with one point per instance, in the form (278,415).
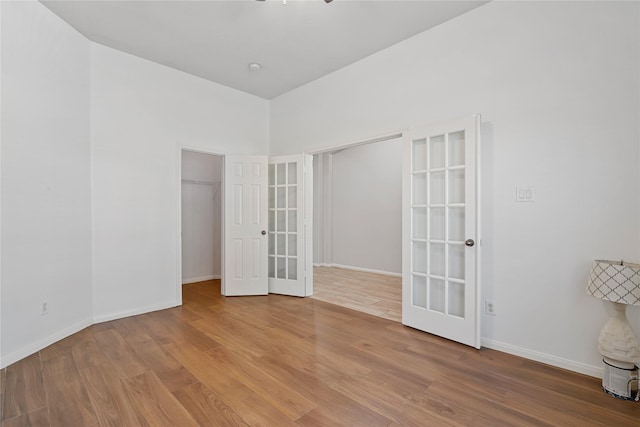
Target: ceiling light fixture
(254,66)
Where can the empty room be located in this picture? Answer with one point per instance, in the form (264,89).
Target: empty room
(481,156)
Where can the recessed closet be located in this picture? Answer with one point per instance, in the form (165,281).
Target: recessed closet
(201,216)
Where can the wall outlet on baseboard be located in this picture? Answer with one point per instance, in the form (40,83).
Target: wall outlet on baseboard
(44,308)
(490,307)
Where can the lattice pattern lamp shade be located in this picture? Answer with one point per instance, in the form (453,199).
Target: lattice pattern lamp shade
(618,282)
(615,281)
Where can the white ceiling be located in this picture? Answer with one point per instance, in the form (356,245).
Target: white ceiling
(295,42)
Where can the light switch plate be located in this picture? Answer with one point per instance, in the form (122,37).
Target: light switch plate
(525,193)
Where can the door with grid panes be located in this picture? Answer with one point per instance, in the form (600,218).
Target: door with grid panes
(440,277)
(290,209)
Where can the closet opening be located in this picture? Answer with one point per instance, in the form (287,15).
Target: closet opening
(201,217)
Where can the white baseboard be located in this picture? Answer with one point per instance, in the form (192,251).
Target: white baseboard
(559,362)
(44,342)
(571,365)
(148,309)
(200,279)
(76,327)
(365,270)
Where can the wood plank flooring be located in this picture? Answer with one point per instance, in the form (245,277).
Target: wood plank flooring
(371,293)
(286,361)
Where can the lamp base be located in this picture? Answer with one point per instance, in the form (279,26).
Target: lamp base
(617,340)
(620,379)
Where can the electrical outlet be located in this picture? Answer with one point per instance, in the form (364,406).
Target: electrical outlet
(44,309)
(490,307)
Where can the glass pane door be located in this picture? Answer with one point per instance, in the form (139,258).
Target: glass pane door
(440,275)
(283,220)
(438,223)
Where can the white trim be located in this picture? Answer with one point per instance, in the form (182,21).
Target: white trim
(178,277)
(44,342)
(559,362)
(308,223)
(135,312)
(200,279)
(478,236)
(365,270)
(76,327)
(354,143)
(90,186)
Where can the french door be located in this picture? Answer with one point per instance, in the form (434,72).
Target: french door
(267,231)
(440,277)
(290,208)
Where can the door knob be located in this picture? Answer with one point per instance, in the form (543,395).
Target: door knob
(263,232)
(469,242)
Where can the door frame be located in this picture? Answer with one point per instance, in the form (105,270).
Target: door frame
(178,181)
(350,144)
(333,149)
(478,186)
(180,147)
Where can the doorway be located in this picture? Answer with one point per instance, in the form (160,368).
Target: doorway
(240,191)
(201,216)
(358,227)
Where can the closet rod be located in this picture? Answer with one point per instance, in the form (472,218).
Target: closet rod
(198,182)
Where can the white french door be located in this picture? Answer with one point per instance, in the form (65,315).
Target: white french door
(268,220)
(290,209)
(245,219)
(440,277)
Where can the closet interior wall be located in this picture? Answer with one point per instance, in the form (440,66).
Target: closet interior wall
(201,216)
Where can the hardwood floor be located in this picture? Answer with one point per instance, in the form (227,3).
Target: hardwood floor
(285,361)
(371,293)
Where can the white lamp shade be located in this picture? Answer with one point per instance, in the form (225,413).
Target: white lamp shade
(615,281)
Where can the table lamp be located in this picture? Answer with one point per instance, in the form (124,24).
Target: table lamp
(618,282)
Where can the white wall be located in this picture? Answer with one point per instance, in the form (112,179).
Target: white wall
(46,208)
(201,216)
(91,141)
(365,222)
(322,209)
(557,84)
(141,113)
